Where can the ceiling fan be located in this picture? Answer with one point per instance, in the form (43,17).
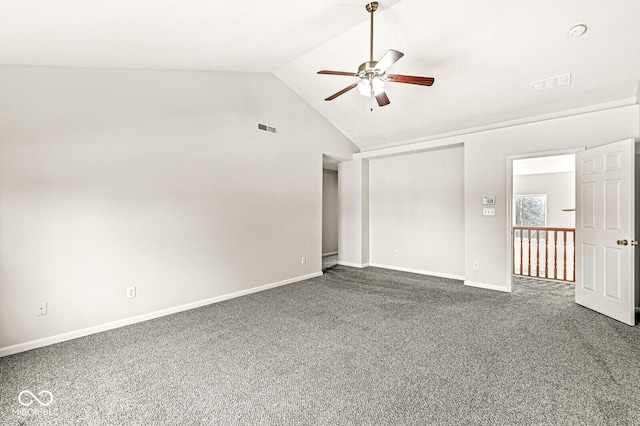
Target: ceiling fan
(373,74)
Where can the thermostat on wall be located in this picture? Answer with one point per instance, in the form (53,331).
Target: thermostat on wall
(488,200)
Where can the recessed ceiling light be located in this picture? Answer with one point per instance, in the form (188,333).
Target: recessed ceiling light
(577,30)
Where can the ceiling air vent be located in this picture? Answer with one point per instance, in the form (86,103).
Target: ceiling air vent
(267,128)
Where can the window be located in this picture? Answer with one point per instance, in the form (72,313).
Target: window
(530,210)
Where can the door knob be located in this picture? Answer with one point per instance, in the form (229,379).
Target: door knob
(634,242)
(623,242)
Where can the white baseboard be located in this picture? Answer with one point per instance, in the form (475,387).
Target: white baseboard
(487,286)
(353,265)
(333,253)
(419,271)
(46,341)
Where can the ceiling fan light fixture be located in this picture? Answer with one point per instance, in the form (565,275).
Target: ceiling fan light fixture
(366,87)
(378,86)
(373,74)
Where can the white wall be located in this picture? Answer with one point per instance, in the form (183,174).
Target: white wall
(353,222)
(366,214)
(329,211)
(153,179)
(417,208)
(560,189)
(485,173)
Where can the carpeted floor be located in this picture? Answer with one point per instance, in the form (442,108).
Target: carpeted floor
(353,347)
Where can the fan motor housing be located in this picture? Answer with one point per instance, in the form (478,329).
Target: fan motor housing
(367,67)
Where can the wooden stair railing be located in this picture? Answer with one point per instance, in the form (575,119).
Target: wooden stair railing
(533,245)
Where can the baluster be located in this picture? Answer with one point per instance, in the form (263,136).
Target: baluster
(574,256)
(521,244)
(564,257)
(555,254)
(529,253)
(546,254)
(538,253)
(513,252)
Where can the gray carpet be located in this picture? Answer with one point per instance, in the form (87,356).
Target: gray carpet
(370,347)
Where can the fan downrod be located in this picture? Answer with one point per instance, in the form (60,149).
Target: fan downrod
(371,7)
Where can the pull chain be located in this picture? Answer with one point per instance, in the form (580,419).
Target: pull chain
(371,97)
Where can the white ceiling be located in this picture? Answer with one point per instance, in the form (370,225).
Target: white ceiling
(483,55)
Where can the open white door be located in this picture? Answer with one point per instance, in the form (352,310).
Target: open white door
(605,239)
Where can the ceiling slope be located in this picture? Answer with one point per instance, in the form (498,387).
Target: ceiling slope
(238,35)
(483,55)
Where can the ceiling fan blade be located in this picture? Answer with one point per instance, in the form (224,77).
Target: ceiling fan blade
(382,99)
(388,59)
(345,90)
(350,74)
(409,79)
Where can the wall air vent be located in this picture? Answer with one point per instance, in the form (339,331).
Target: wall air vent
(267,128)
(550,83)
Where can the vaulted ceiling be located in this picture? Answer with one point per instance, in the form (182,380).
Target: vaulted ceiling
(483,55)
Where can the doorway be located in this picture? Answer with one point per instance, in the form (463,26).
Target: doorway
(329,213)
(605,238)
(543,218)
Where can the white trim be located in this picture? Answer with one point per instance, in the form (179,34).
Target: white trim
(333,253)
(488,286)
(353,265)
(622,103)
(419,271)
(46,341)
(411,148)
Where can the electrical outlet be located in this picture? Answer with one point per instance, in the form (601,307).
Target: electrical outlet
(396,253)
(476,265)
(131,292)
(42,309)
(303,260)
